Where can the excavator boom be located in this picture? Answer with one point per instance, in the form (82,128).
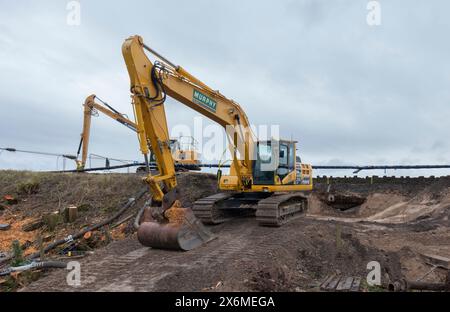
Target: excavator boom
(91,107)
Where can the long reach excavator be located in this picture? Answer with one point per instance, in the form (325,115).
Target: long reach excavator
(183,152)
(265,179)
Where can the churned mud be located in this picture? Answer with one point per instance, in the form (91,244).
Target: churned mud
(349,223)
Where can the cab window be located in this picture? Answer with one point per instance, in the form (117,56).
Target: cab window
(284,155)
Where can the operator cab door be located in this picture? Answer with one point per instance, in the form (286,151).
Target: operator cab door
(286,163)
(273,160)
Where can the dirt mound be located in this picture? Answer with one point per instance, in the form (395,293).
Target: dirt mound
(195,185)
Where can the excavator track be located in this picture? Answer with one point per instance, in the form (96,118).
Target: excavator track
(274,210)
(207,211)
(277,210)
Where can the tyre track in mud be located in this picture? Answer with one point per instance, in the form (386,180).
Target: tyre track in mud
(127,266)
(244,256)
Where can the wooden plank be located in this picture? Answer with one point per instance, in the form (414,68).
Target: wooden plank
(439,261)
(356,284)
(332,285)
(345,284)
(327,281)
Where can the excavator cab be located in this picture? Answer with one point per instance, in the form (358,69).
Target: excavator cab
(274,163)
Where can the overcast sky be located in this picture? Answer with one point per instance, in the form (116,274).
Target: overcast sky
(349,92)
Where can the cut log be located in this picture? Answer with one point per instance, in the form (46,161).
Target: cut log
(87,235)
(32,226)
(70,214)
(4,227)
(51,220)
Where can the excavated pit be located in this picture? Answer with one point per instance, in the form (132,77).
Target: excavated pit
(385,200)
(341,202)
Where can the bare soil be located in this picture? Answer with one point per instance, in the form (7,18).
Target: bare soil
(398,221)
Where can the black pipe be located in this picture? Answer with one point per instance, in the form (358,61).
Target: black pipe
(101,168)
(193,167)
(385,167)
(405,285)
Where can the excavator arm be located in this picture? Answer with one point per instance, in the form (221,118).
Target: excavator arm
(185,159)
(91,108)
(151,83)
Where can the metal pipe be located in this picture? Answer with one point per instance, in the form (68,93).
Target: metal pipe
(159,56)
(10,149)
(102,168)
(359,168)
(405,285)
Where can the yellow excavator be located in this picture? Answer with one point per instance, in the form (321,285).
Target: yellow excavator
(184,153)
(265,177)
(92,108)
(183,148)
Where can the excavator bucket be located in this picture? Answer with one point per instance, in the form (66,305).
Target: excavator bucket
(182,231)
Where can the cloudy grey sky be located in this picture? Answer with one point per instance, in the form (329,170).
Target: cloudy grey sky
(350,93)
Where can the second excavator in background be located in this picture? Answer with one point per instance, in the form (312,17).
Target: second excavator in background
(183,148)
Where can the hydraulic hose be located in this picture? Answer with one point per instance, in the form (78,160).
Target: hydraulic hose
(33,265)
(137,220)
